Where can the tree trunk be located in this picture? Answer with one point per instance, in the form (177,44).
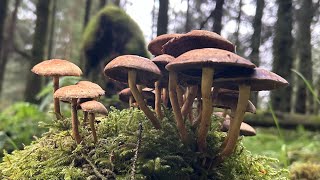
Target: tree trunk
(102,3)
(162,25)
(187,27)
(52,28)
(237,32)
(304,16)
(38,49)
(255,42)
(283,55)
(87,13)
(8,40)
(217,18)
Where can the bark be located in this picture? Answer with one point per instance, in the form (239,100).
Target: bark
(3,15)
(102,3)
(283,55)
(86,13)
(8,40)
(187,27)
(255,42)
(162,25)
(236,34)
(38,49)
(304,99)
(52,28)
(217,17)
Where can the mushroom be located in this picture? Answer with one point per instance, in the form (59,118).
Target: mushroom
(93,86)
(56,68)
(126,96)
(93,107)
(74,92)
(161,61)
(205,62)
(196,39)
(245,129)
(155,46)
(259,80)
(135,70)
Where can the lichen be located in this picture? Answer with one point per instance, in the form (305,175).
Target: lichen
(161,155)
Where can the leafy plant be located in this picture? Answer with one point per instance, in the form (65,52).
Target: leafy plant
(19,125)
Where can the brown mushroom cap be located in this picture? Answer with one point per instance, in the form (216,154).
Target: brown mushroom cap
(94,107)
(75,91)
(147,93)
(245,129)
(228,101)
(155,46)
(91,85)
(196,39)
(191,62)
(259,80)
(161,61)
(147,71)
(57,67)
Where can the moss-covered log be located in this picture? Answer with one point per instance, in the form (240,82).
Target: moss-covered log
(286,120)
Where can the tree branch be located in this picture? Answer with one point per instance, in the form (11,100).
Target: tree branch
(212,13)
(21,52)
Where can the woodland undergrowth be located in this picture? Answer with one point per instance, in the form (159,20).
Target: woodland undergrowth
(161,154)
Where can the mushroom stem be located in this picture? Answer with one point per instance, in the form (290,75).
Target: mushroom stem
(165,95)
(157,101)
(207,109)
(191,95)
(139,99)
(56,102)
(85,118)
(93,130)
(232,115)
(176,108)
(130,101)
(180,95)
(233,133)
(74,115)
(224,113)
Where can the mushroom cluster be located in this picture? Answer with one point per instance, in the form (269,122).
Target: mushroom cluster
(199,66)
(82,95)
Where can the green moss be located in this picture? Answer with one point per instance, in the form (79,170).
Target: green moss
(161,154)
(111,32)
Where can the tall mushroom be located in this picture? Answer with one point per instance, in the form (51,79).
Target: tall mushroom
(205,63)
(56,68)
(259,80)
(93,107)
(135,70)
(161,61)
(74,92)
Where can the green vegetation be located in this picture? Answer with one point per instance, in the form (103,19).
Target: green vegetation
(161,154)
(19,125)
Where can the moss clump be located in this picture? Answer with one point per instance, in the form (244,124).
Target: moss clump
(161,154)
(310,171)
(109,33)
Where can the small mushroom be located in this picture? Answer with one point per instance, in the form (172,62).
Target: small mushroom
(74,92)
(126,96)
(56,68)
(135,70)
(259,80)
(204,63)
(245,129)
(93,107)
(161,61)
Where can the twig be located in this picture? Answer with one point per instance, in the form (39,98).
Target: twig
(133,169)
(95,170)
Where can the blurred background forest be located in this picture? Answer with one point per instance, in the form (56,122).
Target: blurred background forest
(279,35)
